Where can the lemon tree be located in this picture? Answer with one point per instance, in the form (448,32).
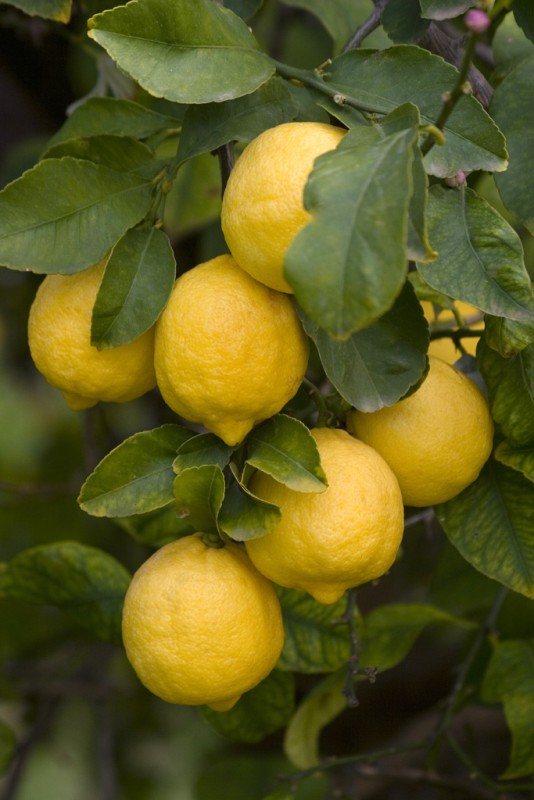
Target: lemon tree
(267,361)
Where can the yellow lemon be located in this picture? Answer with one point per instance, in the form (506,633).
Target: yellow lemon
(59,336)
(262,207)
(200,624)
(229,351)
(328,542)
(437,440)
(445,320)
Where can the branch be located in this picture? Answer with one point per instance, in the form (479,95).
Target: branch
(367,27)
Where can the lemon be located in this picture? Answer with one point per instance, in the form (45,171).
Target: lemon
(444,320)
(229,351)
(59,336)
(200,624)
(262,207)
(328,542)
(436,440)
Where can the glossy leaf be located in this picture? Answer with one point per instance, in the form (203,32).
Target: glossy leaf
(491,523)
(480,257)
(84,582)
(383,80)
(209,126)
(203,448)
(259,712)
(513,110)
(284,448)
(509,680)
(113,116)
(136,476)
(65,214)
(402,21)
(444,9)
(137,283)
(524,15)
(120,153)
(377,366)
(7,746)
(518,458)
(193,52)
(358,196)
(317,639)
(510,383)
(390,631)
(198,496)
(58,10)
(244,516)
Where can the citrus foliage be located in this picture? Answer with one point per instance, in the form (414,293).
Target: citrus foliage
(427,197)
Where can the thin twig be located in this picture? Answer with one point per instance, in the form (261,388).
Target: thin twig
(367,27)
(353,667)
(226,158)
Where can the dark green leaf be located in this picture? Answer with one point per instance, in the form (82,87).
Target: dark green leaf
(507,336)
(136,476)
(58,10)
(358,196)
(244,516)
(480,257)
(204,448)
(7,746)
(198,496)
(65,214)
(509,680)
(86,583)
(524,15)
(195,198)
(156,528)
(379,365)
(390,631)
(317,639)
(401,19)
(339,17)
(284,448)
(137,283)
(510,46)
(259,712)
(207,127)
(115,117)
(121,153)
(513,110)
(244,8)
(194,51)
(491,523)
(519,458)
(510,383)
(381,81)
(444,9)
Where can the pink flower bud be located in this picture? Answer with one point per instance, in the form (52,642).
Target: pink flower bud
(477,21)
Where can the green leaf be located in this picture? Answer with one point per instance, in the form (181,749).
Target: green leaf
(480,256)
(390,631)
(513,110)
(198,496)
(204,448)
(284,448)
(324,703)
(509,680)
(155,528)
(137,283)
(244,516)
(518,458)
(444,9)
(383,80)
(401,19)
(339,17)
(507,336)
(510,383)
(120,153)
(58,10)
(195,198)
(8,744)
(380,364)
(259,712)
(510,46)
(115,117)
(244,8)
(524,15)
(317,639)
(194,51)
(358,196)
(65,214)
(491,523)
(86,583)
(211,125)
(136,476)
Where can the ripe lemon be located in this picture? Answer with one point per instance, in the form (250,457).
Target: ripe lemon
(200,624)
(350,534)
(436,440)
(445,320)
(59,336)
(262,207)
(229,351)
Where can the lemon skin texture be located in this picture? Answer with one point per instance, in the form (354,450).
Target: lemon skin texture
(262,207)
(347,535)
(444,320)
(59,336)
(437,440)
(229,351)
(200,624)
